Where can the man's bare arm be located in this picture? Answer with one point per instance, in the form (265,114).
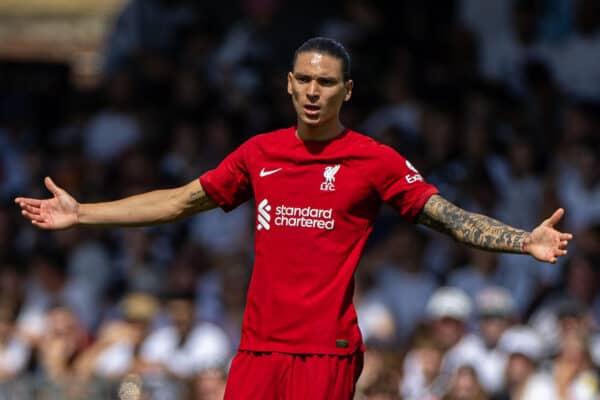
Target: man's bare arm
(150,208)
(544,243)
(156,207)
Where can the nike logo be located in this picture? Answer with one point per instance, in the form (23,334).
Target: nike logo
(264,173)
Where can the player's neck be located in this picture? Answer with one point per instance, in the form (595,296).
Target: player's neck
(319,133)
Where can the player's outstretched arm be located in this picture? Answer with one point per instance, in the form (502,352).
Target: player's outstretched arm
(156,207)
(544,243)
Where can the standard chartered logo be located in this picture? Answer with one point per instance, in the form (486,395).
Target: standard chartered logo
(263,215)
(296,217)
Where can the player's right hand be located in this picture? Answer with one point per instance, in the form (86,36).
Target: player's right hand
(58,212)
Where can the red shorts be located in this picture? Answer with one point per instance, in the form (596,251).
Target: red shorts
(282,376)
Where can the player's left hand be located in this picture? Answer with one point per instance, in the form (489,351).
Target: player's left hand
(546,243)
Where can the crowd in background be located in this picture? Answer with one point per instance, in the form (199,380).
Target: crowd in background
(495,102)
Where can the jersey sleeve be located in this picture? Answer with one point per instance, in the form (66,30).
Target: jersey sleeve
(229,184)
(400,184)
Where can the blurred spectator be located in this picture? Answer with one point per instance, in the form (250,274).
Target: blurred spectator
(184,348)
(14,353)
(234,277)
(50,284)
(358,20)
(220,232)
(438,130)
(519,186)
(488,20)
(579,127)
(147,26)
(479,272)
(12,285)
(63,340)
(579,188)
(447,311)
(574,373)
(116,351)
(496,312)
(524,378)
(381,376)
(115,129)
(575,60)
(521,276)
(520,193)
(541,114)
(13,166)
(375,319)
(89,263)
(138,265)
(575,302)
(422,378)
(401,282)
(244,54)
(182,158)
(505,56)
(465,386)
(401,111)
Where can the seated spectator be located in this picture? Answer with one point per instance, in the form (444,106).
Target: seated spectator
(422,377)
(504,56)
(524,379)
(150,25)
(115,129)
(427,370)
(479,272)
(138,262)
(575,304)
(376,321)
(61,343)
(465,385)
(401,111)
(496,312)
(575,61)
(14,353)
(49,284)
(116,351)
(381,373)
(574,373)
(448,312)
(578,188)
(12,284)
(401,282)
(13,163)
(184,348)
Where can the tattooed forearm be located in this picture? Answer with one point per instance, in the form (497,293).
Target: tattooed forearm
(199,201)
(473,229)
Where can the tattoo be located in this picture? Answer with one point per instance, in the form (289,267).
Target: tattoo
(472,229)
(200,201)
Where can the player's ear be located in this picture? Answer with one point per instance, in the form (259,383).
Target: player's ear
(289,85)
(349,85)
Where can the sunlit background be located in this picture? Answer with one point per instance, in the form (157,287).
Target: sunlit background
(497,102)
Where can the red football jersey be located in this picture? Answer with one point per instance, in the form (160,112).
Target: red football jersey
(315,206)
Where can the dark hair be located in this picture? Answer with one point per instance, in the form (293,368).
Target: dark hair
(328,46)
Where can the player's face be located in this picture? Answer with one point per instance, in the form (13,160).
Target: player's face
(317,88)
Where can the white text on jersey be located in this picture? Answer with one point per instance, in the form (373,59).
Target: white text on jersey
(295,217)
